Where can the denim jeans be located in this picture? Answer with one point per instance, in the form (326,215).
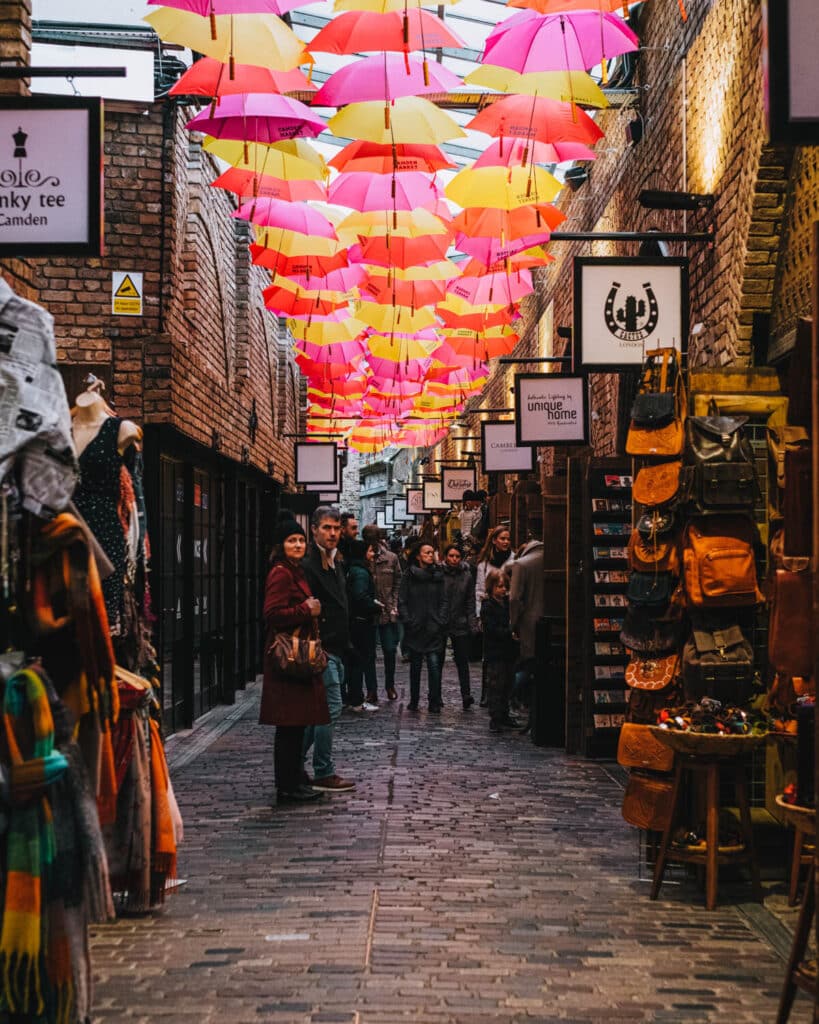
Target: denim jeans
(388,638)
(320,737)
(433,659)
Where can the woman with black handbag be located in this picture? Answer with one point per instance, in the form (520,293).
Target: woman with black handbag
(292,696)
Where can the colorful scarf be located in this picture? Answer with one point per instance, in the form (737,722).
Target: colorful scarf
(163,861)
(35,963)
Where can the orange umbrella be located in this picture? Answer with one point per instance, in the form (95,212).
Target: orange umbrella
(404,293)
(400,31)
(388,251)
(526,220)
(248,185)
(378,158)
(478,321)
(287,303)
(210,77)
(536,117)
(289,266)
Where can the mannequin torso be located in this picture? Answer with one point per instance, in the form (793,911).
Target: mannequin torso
(89,414)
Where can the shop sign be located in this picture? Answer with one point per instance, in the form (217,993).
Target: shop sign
(399,510)
(317,463)
(381,519)
(455,481)
(433,500)
(625,306)
(790,71)
(389,519)
(500,451)
(550,408)
(126,293)
(415,501)
(50,176)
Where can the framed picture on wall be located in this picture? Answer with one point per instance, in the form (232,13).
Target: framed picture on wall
(399,511)
(456,480)
(500,451)
(415,501)
(791,71)
(550,409)
(381,519)
(433,499)
(317,463)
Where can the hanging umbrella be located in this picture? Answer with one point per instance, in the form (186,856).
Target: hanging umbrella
(403,293)
(411,119)
(536,117)
(209,77)
(261,39)
(390,250)
(342,280)
(392,319)
(258,117)
(293,243)
(411,369)
(405,223)
(367,192)
(293,158)
(519,152)
(400,158)
(336,352)
(568,86)
(493,288)
(527,260)
(247,184)
(501,187)
(530,42)
(318,371)
(288,285)
(441,270)
(292,266)
(563,6)
(327,330)
(490,250)
(286,303)
(506,224)
(483,345)
(296,217)
(216,8)
(384,6)
(386,76)
(401,31)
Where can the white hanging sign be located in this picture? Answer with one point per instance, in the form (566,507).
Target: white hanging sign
(550,408)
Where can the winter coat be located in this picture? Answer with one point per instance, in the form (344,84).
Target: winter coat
(422,607)
(482,571)
(330,587)
(498,644)
(288,701)
(460,593)
(526,596)
(361,594)
(387,581)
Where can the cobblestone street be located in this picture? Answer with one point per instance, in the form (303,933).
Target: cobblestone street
(470,878)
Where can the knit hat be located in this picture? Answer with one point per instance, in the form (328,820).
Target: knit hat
(287,528)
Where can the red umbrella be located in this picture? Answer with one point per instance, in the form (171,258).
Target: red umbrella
(210,77)
(477,321)
(290,266)
(405,293)
(400,31)
(387,251)
(377,158)
(487,222)
(248,185)
(287,303)
(536,117)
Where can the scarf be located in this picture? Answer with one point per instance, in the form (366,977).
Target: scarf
(328,559)
(499,558)
(163,861)
(35,962)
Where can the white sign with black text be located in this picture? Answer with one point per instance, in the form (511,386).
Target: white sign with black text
(415,501)
(500,452)
(433,499)
(550,408)
(455,481)
(399,510)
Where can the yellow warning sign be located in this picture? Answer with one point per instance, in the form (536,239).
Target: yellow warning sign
(126,298)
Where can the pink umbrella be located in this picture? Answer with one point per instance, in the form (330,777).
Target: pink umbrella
(383,77)
(210,8)
(367,192)
(336,352)
(276,213)
(518,152)
(341,280)
(462,376)
(258,117)
(530,42)
(493,289)
(492,250)
(410,369)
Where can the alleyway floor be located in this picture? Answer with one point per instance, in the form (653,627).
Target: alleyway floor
(470,879)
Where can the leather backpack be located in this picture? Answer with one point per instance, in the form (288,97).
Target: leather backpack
(719,567)
(719,473)
(658,412)
(718,662)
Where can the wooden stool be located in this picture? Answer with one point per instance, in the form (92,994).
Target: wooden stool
(803,853)
(799,974)
(710,754)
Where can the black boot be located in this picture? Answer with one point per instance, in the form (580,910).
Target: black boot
(468,700)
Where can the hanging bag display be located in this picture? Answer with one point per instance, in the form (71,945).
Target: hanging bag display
(649,634)
(298,657)
(720,475)
(790,595)
(719,569)
(638,747)
(652,672)
(650,590)
(653,554)
(717,662)
(657,485)
(658,412)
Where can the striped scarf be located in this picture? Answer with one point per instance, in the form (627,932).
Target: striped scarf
(35,962)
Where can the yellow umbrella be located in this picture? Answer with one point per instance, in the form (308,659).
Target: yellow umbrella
(399,223)
(394,319)
(280,281)
(465,334)
(566,86)
(293,159)
(411,119)
(460,307)
(399,349)
(261,39)
(502,188)
(443,270)
(293,243)
(326,332)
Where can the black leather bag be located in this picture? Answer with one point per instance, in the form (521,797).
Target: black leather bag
(645,633)
(719,473)
(651,590)
(654,410)
(717,662)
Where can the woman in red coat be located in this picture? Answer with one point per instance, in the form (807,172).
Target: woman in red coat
(290,704)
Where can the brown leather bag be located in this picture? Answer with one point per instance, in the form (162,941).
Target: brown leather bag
(719,569)
(638,747)
(790,636)
(647,801)
(798,502)
(783,438)
(662,376)
(651,672)
(657,485)
(299,654)
(653,554)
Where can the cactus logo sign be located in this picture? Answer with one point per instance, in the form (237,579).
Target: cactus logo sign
(624,307)
(550,408)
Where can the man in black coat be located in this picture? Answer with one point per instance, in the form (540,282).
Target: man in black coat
(322,566)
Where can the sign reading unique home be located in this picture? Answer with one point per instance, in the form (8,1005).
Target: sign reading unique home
(454,481)
(625,306)
(433,499)
(317,463)
(500,451)
(415,501)
(50,176)
(126,293)
(550,408)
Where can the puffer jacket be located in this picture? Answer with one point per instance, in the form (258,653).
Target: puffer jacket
(460,592)
(423,609)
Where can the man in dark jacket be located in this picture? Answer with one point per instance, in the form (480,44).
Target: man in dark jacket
(322,568)
(423,609)
(462,624)
(387,573)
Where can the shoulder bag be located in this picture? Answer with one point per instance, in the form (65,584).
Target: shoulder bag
(790,593)
(658,412)
(296,656)
(657,485)
(717,662)
(638,747)
(653,554)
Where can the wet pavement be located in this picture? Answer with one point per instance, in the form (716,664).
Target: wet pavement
(471,878)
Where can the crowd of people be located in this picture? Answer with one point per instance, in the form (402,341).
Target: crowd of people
(347,595)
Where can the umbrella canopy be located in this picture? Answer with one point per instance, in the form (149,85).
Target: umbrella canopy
(401,31)
(530,42)
(293,243)
(483,345)
(261,39)
(563,6)
(379,192)
(568,86)
(247,184)
(501,187)
(411,119)
(337,352)
(404,293)
(209,77)
(490,250)
(519,152)
(327,330)
(296,217)
(258,117)
(383,6)
(209,8)
(493,288)
(293,158)
(398,158)
(390,250)
(286,303)
(292,266)
(536,117)
(321,370)
(393,319)
(386,76)
(411,369)
(531,221)
(405,223)
(341,280)
(441,270)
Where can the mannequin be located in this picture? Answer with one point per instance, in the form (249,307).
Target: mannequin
(91,411)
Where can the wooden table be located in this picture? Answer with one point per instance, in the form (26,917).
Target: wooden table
(799,973)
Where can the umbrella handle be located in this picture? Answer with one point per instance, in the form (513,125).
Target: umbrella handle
(212,21)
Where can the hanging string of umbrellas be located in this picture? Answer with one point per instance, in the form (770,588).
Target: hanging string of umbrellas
(392,334)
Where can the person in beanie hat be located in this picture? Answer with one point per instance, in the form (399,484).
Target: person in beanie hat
(290,704)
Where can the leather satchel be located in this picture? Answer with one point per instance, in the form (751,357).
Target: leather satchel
(652,431)
(658,522)
(790,635)
(783,438)
(719,568)
(658,554)
(296,656)
(719,474)
(657,485)
(652,672)
(650,590)
(638,747)
(649,635)
(717,662)
(647,801)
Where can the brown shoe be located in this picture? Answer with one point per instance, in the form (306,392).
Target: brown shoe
(391,694)
(333,784)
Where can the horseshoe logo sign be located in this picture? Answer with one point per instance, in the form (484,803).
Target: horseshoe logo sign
(632,318)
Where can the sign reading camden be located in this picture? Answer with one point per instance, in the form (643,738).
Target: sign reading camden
(50,177)
(500,451)
(623,307)
(550,408)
